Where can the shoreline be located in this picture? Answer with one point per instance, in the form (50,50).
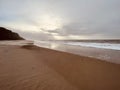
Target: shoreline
(108,55)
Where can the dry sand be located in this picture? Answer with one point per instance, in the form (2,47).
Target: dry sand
(33,68)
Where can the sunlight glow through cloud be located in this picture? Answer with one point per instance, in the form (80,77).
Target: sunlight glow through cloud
(49,22)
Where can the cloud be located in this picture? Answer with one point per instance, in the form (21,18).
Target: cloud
(79,18)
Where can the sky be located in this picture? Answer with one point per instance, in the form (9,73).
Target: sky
(62,19)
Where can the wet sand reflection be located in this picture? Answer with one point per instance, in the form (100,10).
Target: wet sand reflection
(103,54)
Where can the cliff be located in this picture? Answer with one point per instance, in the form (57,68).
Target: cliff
(6,34)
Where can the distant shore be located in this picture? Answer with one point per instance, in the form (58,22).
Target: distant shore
(29,67)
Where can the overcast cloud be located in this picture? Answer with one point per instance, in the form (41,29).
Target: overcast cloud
(64,19)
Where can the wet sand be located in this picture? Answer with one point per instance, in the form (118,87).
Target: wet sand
(34,68)
(108,55)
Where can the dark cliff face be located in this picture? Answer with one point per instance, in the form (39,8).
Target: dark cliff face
(6,34)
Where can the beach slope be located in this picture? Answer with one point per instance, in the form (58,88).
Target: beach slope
(34,68)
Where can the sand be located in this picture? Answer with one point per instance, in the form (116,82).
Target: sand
(33,68)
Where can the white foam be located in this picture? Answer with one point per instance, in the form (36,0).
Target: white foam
(96,45)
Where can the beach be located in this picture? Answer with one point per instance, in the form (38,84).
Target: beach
(29,67)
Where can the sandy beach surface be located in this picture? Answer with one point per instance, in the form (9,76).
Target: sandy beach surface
(34,68)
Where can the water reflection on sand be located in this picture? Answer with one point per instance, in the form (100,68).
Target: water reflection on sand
(103,54)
